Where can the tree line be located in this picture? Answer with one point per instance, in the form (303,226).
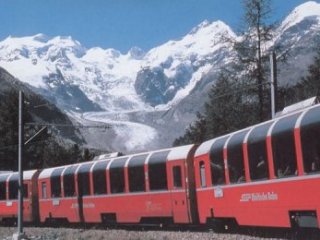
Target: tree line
(240,96)
(46,150)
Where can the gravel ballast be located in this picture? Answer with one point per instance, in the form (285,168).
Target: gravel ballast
(115,234)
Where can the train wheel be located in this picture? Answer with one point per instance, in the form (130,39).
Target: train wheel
(222,224)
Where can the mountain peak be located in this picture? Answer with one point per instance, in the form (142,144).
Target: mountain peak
(40,40)
(65,41)
(212,27)
(136,53)
(40,37)
(310,9)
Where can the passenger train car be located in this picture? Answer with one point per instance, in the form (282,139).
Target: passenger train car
(143,188)
(264,175)
(9,197)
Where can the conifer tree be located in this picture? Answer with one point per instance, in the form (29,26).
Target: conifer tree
(195,133)
(87,155)
(228,108)
(9,130)
(251,58)
(310,85)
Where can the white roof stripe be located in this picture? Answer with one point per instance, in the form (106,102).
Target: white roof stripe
(127,162)
(27,175)
(204,147)
(147,159)
(245,140)
(179,152)
(109,163)
(299,120)
(93,165)
(272,127)
(77,169)
(46,173)
(228,140)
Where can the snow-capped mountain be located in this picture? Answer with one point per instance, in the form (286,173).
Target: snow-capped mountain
(299,34)
(150,96)
(306,11)
(108,78)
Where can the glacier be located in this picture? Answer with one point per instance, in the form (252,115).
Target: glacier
(148,97)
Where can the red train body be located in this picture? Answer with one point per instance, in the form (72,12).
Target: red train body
(9,196)
(146,187)
(264,175)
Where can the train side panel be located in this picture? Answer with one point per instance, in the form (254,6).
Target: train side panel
(126,208)
(265,175)
(9,197)
(262,204)
(149,187)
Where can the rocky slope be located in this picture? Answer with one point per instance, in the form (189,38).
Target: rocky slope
(41,110)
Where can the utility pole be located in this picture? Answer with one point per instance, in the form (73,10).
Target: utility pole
(20,235)
(273,83)
(20,159)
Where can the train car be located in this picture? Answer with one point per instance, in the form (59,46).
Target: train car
(152,187)
(9,196)
(57,194)
(265,175)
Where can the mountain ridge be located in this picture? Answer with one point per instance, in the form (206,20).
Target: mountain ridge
(169,82)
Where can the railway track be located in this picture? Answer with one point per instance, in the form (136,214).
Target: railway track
(156,232)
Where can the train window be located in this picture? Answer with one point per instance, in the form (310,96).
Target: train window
(69,182)
(3,187)
(202,174)
(157,168)
(283,147)
(25,191)
(235,157)
(136,173)
(177,178)
(310,140)
(257,151)
(99,178)
(44,190)
(2,190)
(13,186)
(55,182)
(84,179)
(217,162)
(117,175)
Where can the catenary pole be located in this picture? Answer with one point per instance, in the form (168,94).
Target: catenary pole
(20,159)
(273,83)
(20,234)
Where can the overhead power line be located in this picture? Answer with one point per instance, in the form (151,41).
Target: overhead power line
(16,145)
(105,126)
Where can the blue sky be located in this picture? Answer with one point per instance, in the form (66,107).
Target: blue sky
(121,24)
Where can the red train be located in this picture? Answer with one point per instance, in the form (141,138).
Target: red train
(264,175)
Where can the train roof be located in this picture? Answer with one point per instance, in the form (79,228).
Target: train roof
(106,156)
(178,153)
(175,153)
(206,146)
(27,175)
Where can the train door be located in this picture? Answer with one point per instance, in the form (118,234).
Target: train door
(180,205)
(34,197)
(83,188)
